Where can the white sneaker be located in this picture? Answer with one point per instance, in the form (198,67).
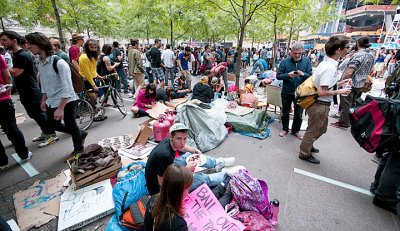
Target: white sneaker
(232,170)
(27,158)
(48,140)
(4,167)
(224,162)
(130,95)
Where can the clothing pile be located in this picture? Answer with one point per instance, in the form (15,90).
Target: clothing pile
(93,156)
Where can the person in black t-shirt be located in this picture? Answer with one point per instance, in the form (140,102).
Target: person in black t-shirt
(24,74)
(165,212)
(174,149)
(156,64)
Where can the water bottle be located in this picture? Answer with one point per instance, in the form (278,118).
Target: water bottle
(275,211)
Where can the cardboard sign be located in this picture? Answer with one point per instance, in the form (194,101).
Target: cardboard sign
(83,206)
(117,142)
(157,110)
(39,204)
(204,212)
(239,110)
(137,151)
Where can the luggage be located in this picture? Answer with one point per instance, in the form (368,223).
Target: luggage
(373,124)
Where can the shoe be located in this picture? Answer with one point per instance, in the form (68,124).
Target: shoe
(75,154)
(335,116)
(385,205)
(27,158)
(376,159)
(283,133)
(39,138)
(83,137)
(4,167)
(339,125)
(224,162)
(335,106)
(311,159)
(298,136)
(230,171)
(49,140)
(130,95)
(314,150)
(372,188)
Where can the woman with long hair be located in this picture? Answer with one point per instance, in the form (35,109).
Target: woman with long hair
(165,211)
(145,100)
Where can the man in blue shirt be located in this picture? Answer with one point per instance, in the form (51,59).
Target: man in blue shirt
(293,71)
(262,64)
(183,65)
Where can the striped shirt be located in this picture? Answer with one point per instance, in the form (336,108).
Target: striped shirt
(362,62)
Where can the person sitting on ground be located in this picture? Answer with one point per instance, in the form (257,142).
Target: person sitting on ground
(179,89)
(145,100)
(248,86)
(174,149)
(165,211)
(218,86)
(202,91)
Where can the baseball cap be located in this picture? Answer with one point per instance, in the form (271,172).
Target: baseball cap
(178,127)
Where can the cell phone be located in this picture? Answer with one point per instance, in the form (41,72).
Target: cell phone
(296,72)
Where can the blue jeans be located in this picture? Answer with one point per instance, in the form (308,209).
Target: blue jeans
(200,178)
(257,65)
(123,78)
(172,73)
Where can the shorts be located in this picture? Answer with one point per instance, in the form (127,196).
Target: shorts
(379,66)
(158,74)
(187,74)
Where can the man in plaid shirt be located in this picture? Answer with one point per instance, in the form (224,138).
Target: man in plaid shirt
(358,69)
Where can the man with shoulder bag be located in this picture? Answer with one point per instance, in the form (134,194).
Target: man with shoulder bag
(358,69)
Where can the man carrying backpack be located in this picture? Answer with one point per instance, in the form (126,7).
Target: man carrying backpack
(58,97)
(358,69)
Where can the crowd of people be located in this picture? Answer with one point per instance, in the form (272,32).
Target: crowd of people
(38,70)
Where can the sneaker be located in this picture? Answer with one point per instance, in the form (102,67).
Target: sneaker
(340,125)
(49,140)
(4,167)
(224,162)
(232,170)
(27,158)
(130,95)
(39,138)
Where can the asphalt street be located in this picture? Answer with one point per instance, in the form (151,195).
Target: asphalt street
(331,196)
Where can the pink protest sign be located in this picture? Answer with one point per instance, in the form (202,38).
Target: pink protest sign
(205,213)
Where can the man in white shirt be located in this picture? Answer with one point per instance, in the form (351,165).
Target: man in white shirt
(168,59)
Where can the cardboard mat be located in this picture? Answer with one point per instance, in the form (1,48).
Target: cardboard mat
(239,110)
(40,203)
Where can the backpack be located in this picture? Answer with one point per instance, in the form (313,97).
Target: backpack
(306,94)
(253,221)
(133,216)
(77,79)
(373,124)
(250,193)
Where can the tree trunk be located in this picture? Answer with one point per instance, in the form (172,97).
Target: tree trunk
(275,41)
(171,34)
(147,35)
(252,41)
(290,35)
(240,44)
(59,27)
(88,32)
(2,24)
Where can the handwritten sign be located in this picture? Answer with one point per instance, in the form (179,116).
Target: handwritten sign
(205,213)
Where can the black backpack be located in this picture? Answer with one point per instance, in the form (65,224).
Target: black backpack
(77,79)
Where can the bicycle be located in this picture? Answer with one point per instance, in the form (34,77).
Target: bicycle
(114,93)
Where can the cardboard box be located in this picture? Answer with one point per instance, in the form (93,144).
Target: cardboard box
(95,175)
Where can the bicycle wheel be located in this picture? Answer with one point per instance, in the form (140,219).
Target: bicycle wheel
(118,102)
(84,114)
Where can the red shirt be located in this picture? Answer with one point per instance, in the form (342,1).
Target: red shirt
(3,65)
(74,53)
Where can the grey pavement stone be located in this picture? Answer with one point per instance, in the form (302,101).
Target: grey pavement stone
(9,202)
(52,225)
(3,206)
(10,190)
(41,176)
(42,228)
(9,215)
(23,185)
